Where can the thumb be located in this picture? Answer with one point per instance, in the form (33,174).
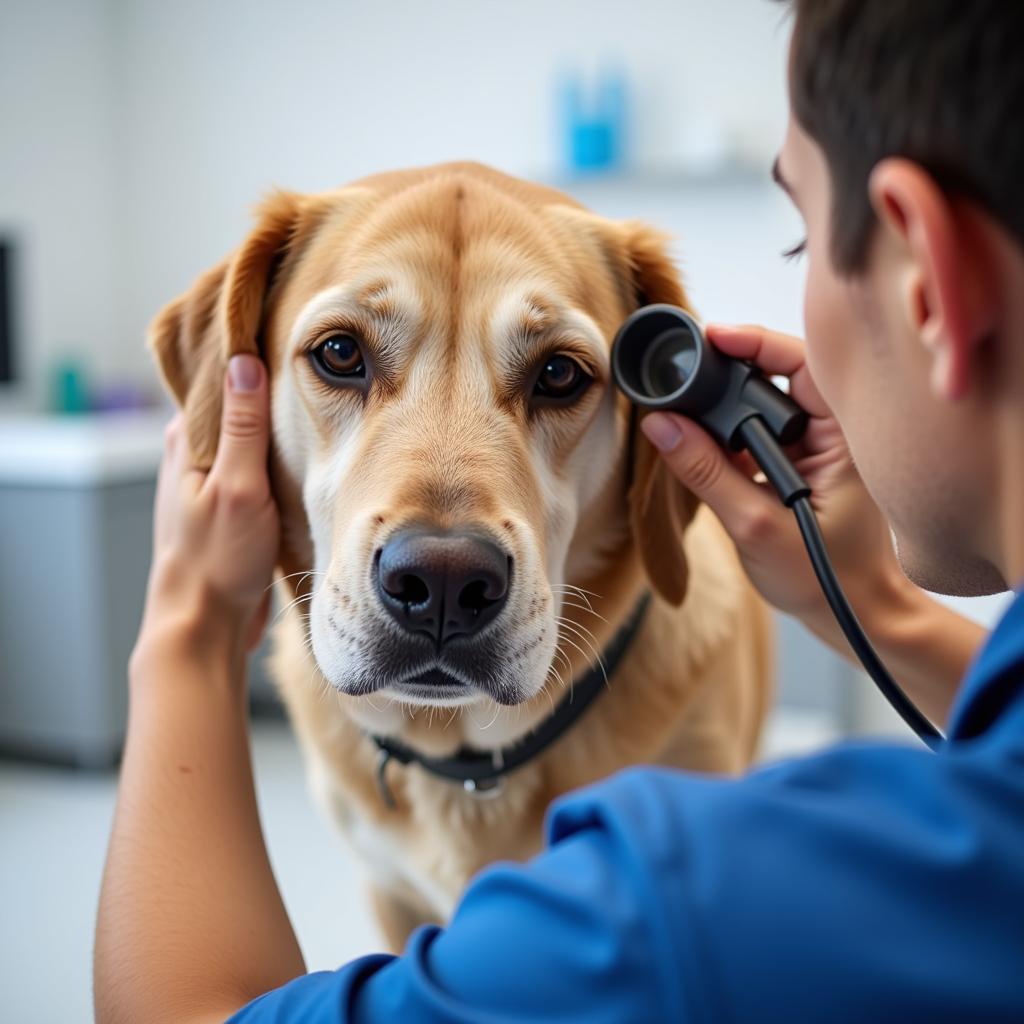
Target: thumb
(245,422)
(701,465)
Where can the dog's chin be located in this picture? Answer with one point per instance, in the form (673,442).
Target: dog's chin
(455,698)
(436,688)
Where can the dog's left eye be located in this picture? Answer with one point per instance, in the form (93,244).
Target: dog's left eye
(560,378)
(338,357)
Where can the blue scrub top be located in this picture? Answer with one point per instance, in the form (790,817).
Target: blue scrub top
(872,882)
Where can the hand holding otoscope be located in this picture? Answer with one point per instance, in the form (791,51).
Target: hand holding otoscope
(662,361)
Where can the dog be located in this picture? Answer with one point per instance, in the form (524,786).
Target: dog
(471,518)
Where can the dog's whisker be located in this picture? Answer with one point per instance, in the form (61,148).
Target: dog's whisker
(568,668)
(565,661)
(294,603)
(578,590)
(579,627)
(565,594)
(547,691)
(570,604)
(494,717)
(600,663)
(561,683)
(581,631)
(292,575)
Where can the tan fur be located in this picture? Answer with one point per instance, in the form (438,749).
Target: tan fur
(438,263)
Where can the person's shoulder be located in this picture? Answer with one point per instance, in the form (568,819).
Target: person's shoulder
(637,806)
(654,808)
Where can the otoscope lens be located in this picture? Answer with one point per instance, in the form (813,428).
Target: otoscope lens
(668,362)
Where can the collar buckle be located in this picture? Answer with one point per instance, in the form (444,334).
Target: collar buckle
(484,789)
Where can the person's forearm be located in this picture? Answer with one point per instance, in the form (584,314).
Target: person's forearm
(925,646)
(191,924)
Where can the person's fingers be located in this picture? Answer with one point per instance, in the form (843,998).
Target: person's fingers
(175,448)
(172,467)
(700,464)
(258,625)
(771,351)
(245,425)
(775,354)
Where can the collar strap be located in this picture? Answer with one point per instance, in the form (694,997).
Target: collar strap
(482,771)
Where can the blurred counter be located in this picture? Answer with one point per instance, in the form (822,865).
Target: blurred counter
(76,496)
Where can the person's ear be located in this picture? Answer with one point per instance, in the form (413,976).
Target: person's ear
(943,290)
(220,316)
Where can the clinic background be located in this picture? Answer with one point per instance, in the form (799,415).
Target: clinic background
(135,136)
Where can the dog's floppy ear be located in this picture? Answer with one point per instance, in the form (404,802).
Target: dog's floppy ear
(660,508)
(194,336)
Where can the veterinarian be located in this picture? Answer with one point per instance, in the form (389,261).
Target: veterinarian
(873,882)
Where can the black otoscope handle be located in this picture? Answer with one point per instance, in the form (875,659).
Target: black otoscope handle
(795,494)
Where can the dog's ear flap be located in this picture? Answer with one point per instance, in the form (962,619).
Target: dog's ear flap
(219,317)
(660,508)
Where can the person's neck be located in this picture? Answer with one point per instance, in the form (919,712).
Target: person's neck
(1012,511)
(1011,430)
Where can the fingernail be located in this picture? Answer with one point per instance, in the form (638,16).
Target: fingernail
(244,373)
(662,431)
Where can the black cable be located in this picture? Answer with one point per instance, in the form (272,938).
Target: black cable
(795,494)
(852,629)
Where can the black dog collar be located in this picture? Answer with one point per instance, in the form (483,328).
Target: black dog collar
(481,772)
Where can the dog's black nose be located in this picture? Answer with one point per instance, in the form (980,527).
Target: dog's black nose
(442,584)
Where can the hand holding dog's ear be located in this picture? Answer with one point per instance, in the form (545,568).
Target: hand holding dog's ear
(216,533)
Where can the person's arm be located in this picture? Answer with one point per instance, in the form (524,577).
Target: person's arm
(926,646)
(191,925)
(871,882)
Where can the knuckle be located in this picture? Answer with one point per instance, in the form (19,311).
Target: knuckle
(754,527)
(242,424)
(702,471)
(238,496)
(173,431)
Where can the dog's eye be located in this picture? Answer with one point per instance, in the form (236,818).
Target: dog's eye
(339,356)
(560,378)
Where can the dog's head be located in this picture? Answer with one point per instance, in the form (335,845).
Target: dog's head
(449,451)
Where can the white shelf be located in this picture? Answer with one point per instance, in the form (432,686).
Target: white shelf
(77,451)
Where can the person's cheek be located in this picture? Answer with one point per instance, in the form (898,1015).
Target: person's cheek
(827,332)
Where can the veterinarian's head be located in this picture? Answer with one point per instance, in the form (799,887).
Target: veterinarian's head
(449,454)
(905,159)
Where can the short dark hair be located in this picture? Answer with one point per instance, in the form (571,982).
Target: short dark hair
(940,82)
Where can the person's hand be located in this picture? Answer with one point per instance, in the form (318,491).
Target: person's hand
(216,533)
(764,530)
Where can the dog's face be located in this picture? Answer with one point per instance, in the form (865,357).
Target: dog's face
(444,421)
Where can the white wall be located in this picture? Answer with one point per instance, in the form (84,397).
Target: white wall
(225,99)
(58,146)
(138,133)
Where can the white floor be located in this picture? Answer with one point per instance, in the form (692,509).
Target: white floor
(53,832)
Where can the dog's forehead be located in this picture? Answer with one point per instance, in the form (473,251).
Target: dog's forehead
(452,232)
(454,256)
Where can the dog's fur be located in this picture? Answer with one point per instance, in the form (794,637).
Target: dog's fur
(458,280)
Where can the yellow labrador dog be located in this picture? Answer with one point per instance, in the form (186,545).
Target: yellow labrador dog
(471,518)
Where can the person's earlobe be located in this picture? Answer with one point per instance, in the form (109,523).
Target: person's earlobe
(942,295)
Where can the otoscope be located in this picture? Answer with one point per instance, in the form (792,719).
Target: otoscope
(663,362)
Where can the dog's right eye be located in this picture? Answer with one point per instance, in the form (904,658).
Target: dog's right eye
(338,357)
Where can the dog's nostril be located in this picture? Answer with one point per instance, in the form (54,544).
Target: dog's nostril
(410,590)
(473,597)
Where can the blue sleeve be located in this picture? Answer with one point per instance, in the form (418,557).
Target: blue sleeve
(869,883)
